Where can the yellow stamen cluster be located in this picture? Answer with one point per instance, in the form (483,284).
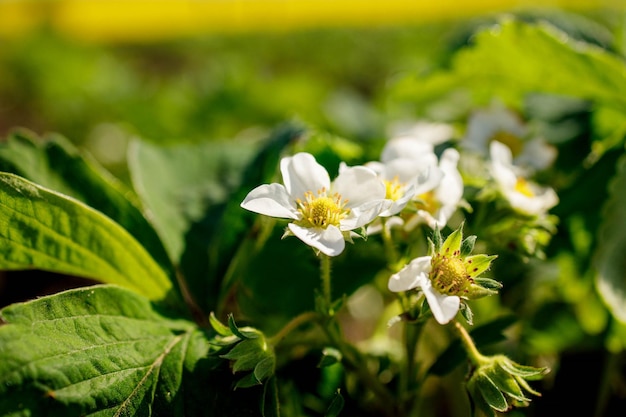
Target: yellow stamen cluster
(428,202)
(522,186)
(449,274)
(321,210)
(393,189)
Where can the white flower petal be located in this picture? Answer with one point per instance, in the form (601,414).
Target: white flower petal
(450,190)
(329,241)
(271,200)
(363,214)
(429,179)
(302,173)
(358,185)
(413,275)
(444,307)
(543,200)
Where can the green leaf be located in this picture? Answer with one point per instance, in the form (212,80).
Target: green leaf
(609,256)
(179,183)
(53,162)
(46,230)
(96,351)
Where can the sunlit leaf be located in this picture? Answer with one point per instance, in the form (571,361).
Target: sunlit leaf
(113,354)
(45,230)
(53,162)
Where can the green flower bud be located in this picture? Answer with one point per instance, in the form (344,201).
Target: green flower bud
(499,384)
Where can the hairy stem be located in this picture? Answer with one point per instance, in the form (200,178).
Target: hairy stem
(472,352)
(293,324)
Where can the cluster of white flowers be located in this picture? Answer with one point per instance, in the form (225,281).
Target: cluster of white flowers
(408,186)
(325,213)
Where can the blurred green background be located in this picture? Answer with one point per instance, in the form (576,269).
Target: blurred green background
(102,72)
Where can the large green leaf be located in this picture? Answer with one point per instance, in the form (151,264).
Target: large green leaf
(99,350)
(55,163)
(609,255)
(513,59)
(179,183)
(194,192)
(43,229)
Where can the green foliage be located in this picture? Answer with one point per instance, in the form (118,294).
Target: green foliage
(100,350)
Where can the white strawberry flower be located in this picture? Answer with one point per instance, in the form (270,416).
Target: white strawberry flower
(523,195)
(323,212)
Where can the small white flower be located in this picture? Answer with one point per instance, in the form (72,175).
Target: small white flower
(415,275)
(497,123)
(438,189)
(323,213)
(523,195)
(404,178)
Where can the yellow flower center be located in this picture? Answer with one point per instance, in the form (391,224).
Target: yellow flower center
(522,186)
(513,142)
(449,275)
(321,210)
(428,202)
(393,189)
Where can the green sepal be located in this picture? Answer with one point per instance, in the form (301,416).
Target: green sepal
(524,371)
(467,246)
(436,241)
(482,287)
(478,264)
(452,245)
(467,314)
(491,393)
(247,381)
(221,329)
(508,385)
(240,332)
(245,355)
(265,367)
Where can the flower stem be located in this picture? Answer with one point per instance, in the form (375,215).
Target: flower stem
(325,276)
(472,352)
(292,325)
(390,249)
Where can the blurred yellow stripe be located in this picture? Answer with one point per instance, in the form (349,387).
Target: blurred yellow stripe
(144,20)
